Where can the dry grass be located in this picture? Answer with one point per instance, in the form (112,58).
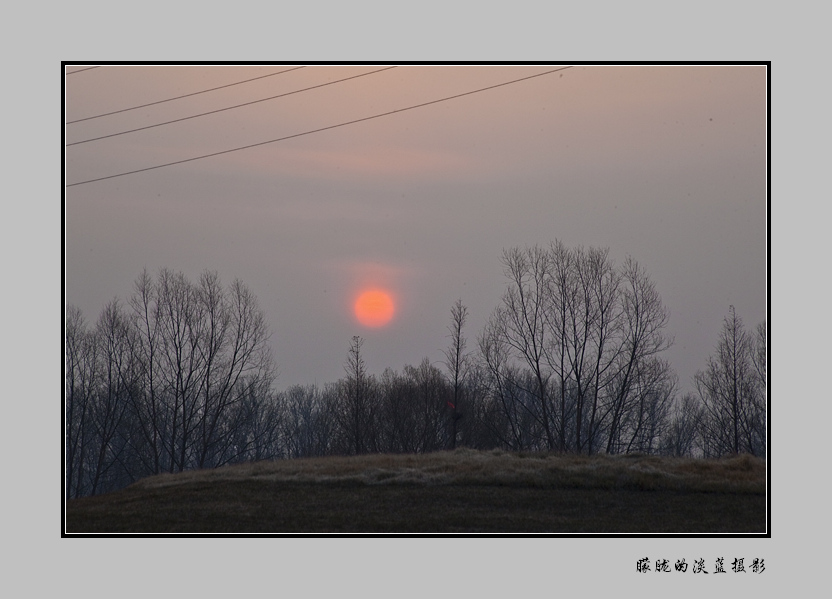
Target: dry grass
(738,474)
(459,491)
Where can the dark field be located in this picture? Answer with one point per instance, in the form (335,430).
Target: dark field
(449,492)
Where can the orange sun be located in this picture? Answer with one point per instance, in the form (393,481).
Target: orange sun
(374,308)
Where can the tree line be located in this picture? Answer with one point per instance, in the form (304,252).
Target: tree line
(571,360)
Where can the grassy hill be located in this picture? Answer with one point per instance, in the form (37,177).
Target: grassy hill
(463,491)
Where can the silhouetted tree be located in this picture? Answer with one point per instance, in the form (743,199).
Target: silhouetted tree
(589,335)
(82,382)
(430,399)
(522,324)
(182,380)
(732,390)
(356,415)
(251,429)
(681,438)
(473,429)
(302,406)
(456,361)
(119,375)
(200,347)
(637,374)
(571,360)
(237,364)
(501,415)
(398,413)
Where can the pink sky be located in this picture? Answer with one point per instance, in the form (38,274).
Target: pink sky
(665,163)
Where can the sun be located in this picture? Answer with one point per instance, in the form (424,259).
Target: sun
(374,308)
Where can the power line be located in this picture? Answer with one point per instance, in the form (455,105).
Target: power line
(82,70)
(263,143)
(228,108)
(98,116)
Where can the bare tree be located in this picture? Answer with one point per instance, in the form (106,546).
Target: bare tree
(356,413)
(118,380)
(183,361)
(681,437)
(250,431)
(82,381)
(430,398)
(237,360)
(456,361)
(588,334)
(562,297)
(523,321)
(398,413)
(594,341)
(302,406)
(647,423)
(149,407)
(502,417)
(732,395)
(477,429)
(203,350)
(636,368)
(182,380)
(760,359)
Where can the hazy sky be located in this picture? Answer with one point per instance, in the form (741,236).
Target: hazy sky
(666,164)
